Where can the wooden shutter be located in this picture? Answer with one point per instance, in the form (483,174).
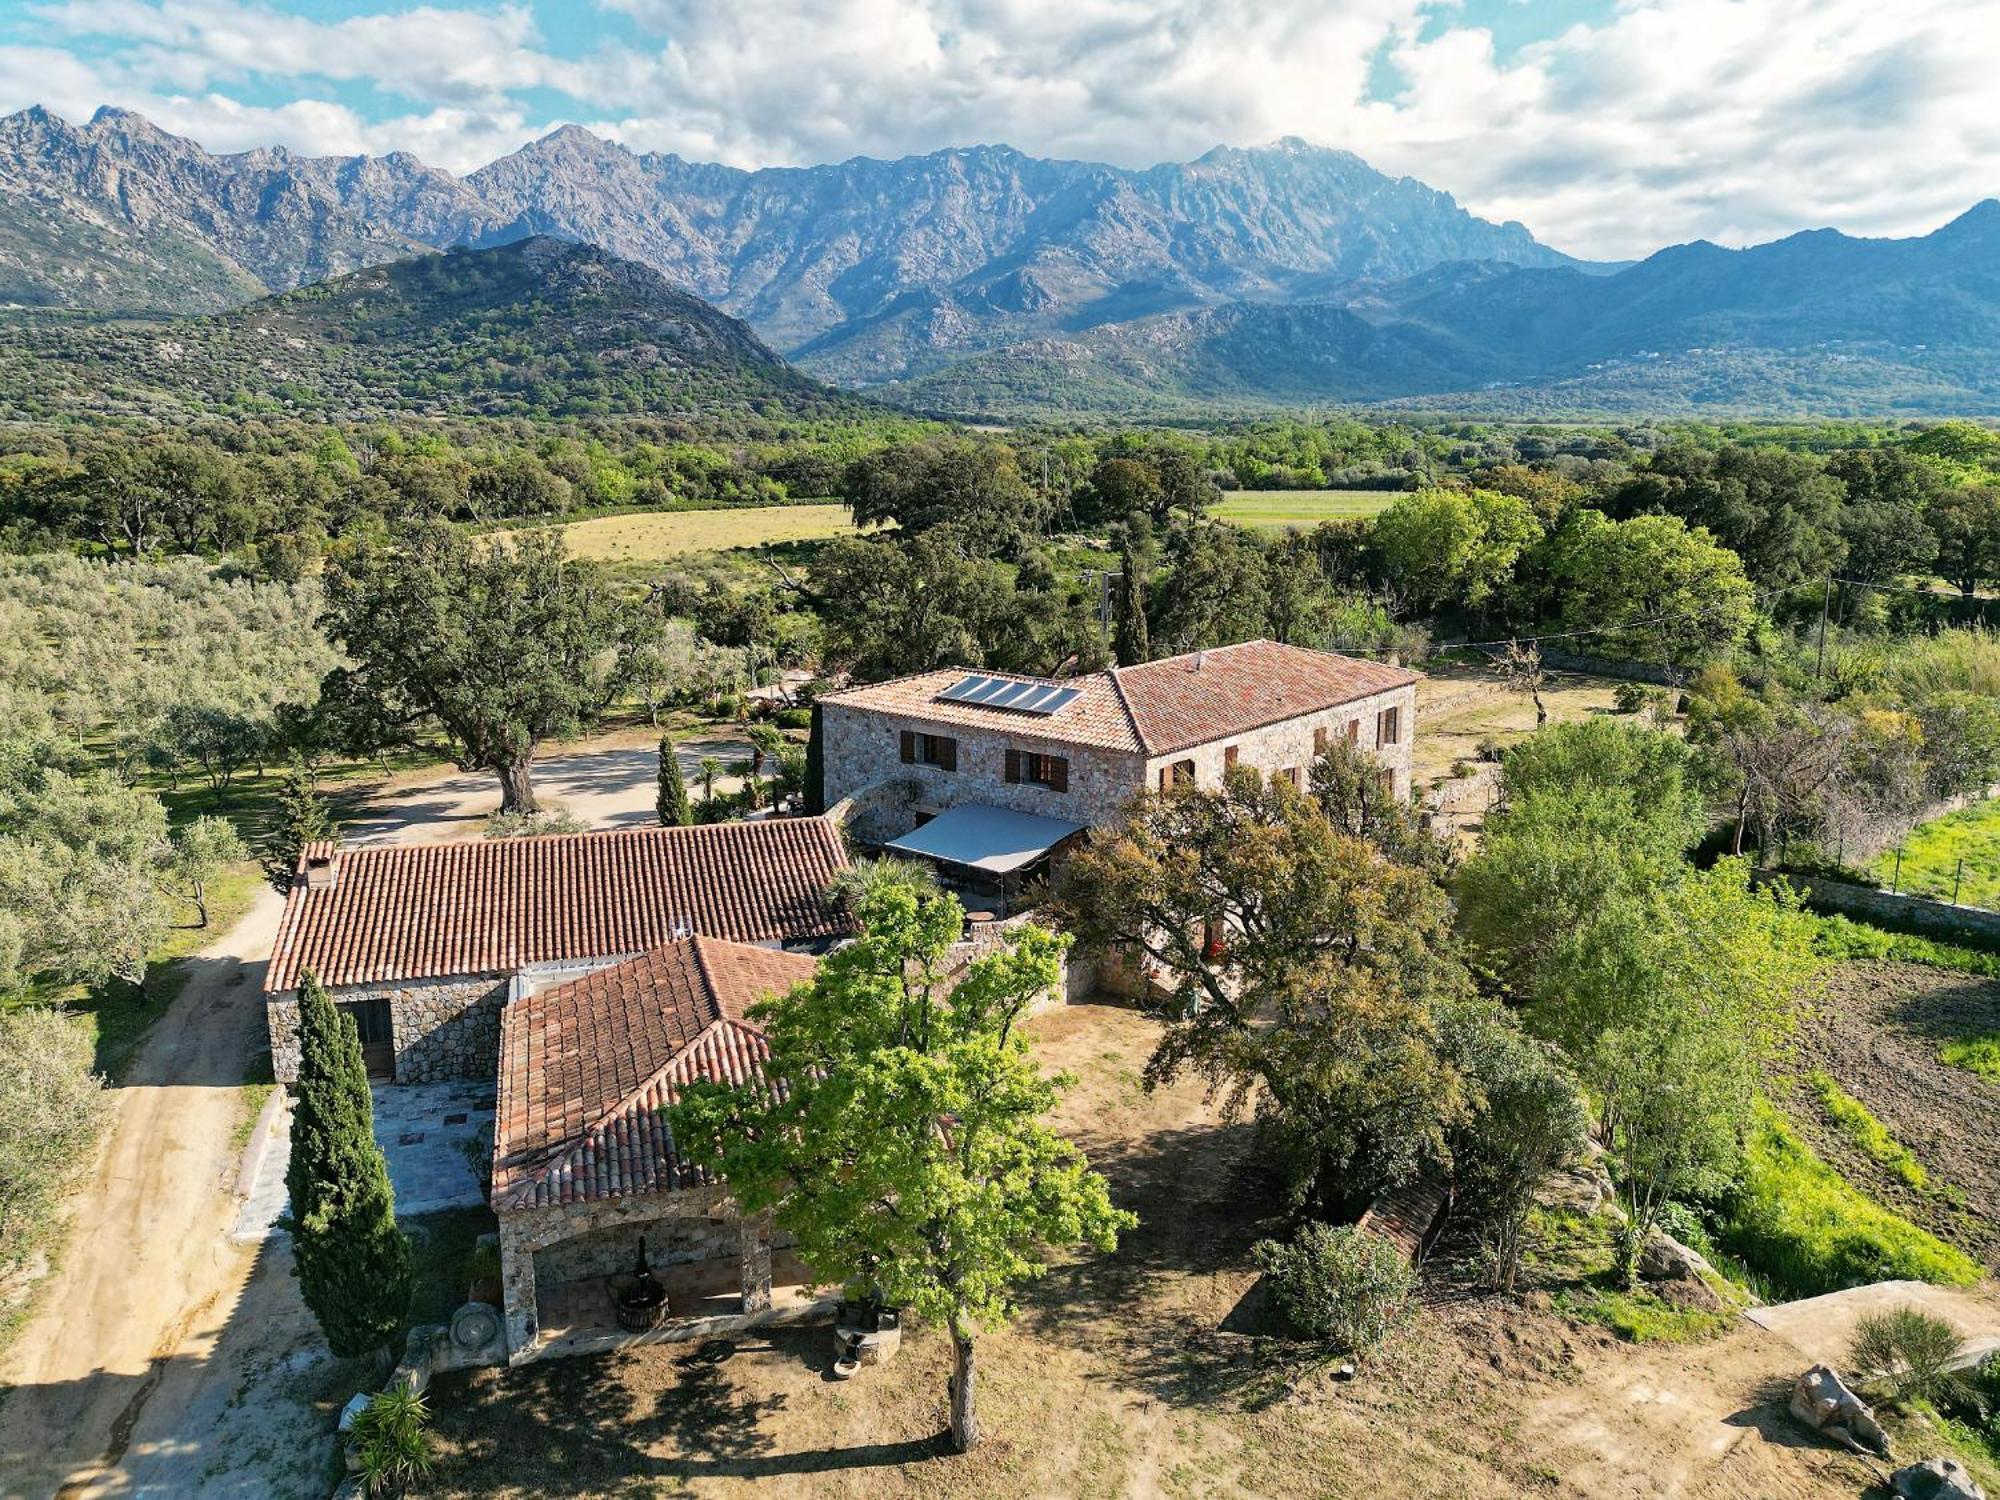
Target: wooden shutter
(909,747)
(1013,766)
(1353,731)
(1229,757)
(1319,740)
(1059,772)
(947,756)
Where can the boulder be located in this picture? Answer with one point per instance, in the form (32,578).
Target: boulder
(1822,1401)
(356,1405)
(1937,1479)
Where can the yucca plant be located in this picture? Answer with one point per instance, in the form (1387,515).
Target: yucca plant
(392,1434)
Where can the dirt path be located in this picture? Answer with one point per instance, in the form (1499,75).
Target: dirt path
(148,1261)
(164,1360)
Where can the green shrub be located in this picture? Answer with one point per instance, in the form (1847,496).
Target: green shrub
(1628,697)
(1976,1054)
(551,819)
(1852,1119)
(1910,1350)
(1799,1222)
(392,1436)
(1685,1224)
(1342,1285)
(793,718)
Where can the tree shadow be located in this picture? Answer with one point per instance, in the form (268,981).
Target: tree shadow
(620,1424)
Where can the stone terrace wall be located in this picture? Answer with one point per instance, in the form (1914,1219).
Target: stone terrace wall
(1939,919)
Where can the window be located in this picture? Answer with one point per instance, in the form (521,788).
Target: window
(1180,773)
(1036,769)
(1353,731)
(1386,726)
(1320,738)
(920,749)
(1229,757)
(1295,776)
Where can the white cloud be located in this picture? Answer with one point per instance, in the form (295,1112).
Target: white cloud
(1736,120)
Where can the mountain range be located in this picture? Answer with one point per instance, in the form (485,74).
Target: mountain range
(861,271)
(535,328)
(985,282)
(1815,324)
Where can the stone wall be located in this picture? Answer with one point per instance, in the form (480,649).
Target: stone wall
(863,751)
(1074,981)
(1289,743)
(614,1247)
(442,1031)
(530,1234)
(447,1031)
(1939,919)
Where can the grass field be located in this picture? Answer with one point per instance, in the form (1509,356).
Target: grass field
(652,536)
(1275,508)
(1933,850)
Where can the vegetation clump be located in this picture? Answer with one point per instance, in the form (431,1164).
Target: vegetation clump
(1342,1285)
(1799,1222)
(1913,1352)
(1854,1120)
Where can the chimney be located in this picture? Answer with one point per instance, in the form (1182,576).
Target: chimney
(1199,658)
(321,870)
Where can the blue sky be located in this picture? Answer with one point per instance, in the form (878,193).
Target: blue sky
(1609,127)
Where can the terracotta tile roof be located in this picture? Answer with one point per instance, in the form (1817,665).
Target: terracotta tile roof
(420,911)
(1407,1216)
(1189,700)
(1159,707)
(1095,717)
(587,1066)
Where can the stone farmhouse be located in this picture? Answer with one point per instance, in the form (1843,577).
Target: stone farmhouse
(988,773)
(424,945)
(596,975)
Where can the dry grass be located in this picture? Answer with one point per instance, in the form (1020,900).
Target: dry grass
(653,536)
(1272,509)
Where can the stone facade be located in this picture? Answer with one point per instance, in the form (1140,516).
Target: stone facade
(891,797)
(543,1247)
(1289,744)
(442,1031)
(863,750)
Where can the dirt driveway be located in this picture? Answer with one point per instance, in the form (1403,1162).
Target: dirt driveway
(607,784)
(164,1360)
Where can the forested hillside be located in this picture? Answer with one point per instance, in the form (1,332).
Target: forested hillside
(538,327)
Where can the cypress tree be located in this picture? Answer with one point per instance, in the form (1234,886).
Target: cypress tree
(672,803)
(816,766)
(1129,640)
(351,1258)
(304,817)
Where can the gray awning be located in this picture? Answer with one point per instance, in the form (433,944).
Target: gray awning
(991,839)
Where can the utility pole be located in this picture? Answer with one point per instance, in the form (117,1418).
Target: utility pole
(1825,597)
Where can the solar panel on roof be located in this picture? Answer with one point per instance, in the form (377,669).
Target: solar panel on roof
(1004,692)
